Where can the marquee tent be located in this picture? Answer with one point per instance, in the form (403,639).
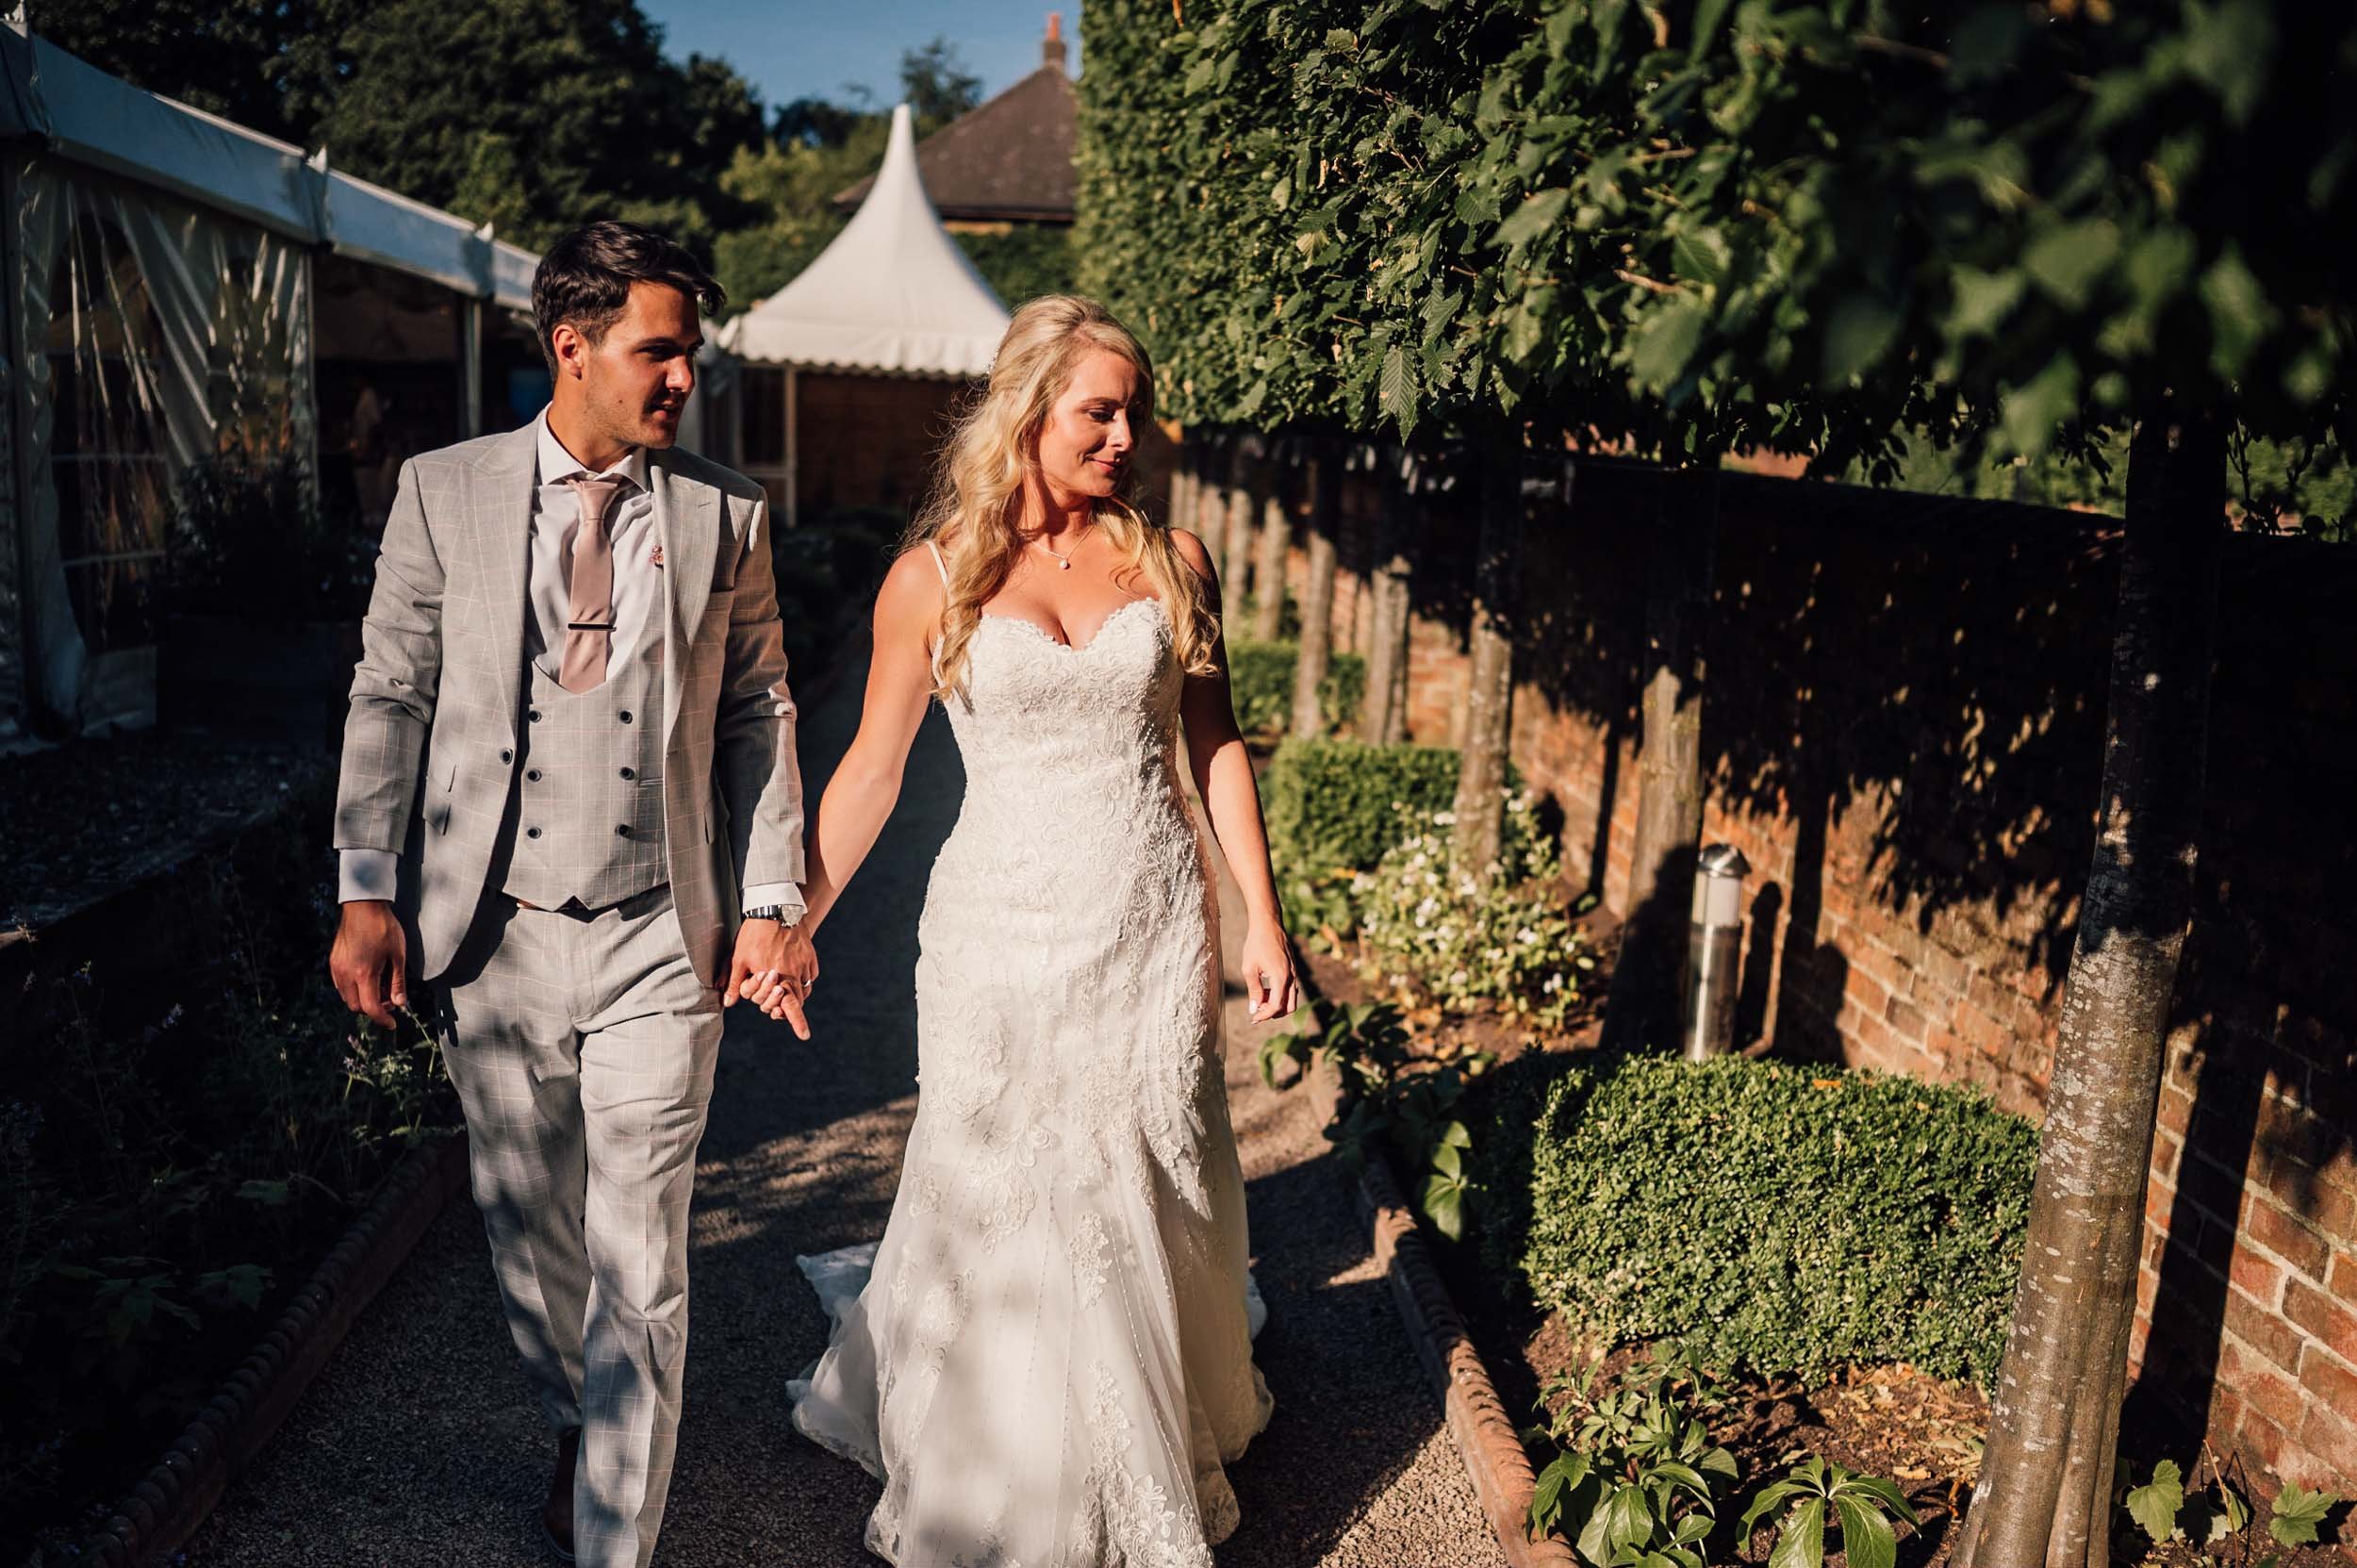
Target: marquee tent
(893,298)
(179,288)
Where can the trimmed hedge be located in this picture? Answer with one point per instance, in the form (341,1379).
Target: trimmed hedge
(1774,1216)
(1331,802)
(1260,680)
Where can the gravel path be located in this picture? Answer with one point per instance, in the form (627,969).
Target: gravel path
(416,1446)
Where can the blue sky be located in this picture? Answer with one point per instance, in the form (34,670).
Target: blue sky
(795,48)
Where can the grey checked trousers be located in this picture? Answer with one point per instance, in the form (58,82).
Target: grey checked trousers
(583,1050)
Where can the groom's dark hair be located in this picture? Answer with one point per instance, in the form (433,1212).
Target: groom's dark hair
(585,278)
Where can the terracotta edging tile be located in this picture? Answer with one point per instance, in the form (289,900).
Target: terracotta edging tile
(164,1510)
(1478,1422)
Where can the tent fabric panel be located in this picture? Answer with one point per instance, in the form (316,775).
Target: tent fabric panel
(371,223)
(161,337)
(511,267)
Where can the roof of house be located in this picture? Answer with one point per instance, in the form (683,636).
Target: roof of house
(1007,161)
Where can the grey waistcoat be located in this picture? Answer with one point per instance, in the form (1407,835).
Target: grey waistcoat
(588,819)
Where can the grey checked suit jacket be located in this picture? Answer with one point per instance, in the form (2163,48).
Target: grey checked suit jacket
(430,744)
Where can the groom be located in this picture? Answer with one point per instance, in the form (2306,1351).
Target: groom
(570,747)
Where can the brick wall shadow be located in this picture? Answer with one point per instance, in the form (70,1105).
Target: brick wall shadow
(1903,731)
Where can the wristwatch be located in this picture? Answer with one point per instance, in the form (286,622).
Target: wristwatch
(784,914)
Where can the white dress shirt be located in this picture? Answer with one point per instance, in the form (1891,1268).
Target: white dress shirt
(630,526)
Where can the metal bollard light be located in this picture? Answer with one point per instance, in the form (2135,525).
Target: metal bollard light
(1714,953)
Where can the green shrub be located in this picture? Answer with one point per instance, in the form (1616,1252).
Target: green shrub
(1776,1216)
(1260,681)
(1333,804)
(1469,942)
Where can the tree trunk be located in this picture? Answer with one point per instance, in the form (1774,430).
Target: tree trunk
(1383,722)
(1243,477)
(1489,695)
(1318,591)
(1182,497)
(1642,1008)
(1207,513)
(2045,1488)
(1270,549)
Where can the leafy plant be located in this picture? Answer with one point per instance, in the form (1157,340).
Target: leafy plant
(2297,1512)
(250,538)
(2167,1508)
(1637,1479)
(1818,1493)
(1392,1097)
(1434,928)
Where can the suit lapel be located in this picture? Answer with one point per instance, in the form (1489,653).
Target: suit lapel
(502,538)
(687,519)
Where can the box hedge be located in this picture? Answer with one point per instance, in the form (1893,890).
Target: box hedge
(1775,1217)
(1260,682)
(1332,804)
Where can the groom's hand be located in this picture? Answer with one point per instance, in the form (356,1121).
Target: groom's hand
(774,968)
(369,961)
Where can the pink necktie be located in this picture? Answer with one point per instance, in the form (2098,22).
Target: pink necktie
(590,632)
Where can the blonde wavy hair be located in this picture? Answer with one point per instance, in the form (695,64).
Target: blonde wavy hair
(976,499)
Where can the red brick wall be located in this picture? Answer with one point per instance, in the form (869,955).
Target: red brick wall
(1902,732)
(869,440)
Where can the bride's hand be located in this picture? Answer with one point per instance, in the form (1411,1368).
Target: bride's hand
(1268,974)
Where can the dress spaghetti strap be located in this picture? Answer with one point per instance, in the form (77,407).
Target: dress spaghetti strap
(941,567)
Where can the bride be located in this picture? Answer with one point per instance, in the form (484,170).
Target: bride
(1049,1360)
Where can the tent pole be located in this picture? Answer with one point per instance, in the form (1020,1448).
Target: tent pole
(469,368)
(16,343)
(793,450)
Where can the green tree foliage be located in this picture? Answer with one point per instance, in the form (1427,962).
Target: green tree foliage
(533,114)
(226,59)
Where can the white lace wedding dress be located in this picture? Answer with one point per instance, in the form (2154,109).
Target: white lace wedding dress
(1051,1358)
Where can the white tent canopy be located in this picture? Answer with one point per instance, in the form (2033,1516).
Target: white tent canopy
(892,295)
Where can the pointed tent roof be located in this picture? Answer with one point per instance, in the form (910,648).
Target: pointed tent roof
(893,293)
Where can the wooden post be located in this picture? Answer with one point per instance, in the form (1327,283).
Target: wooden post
(793,449)
(1317,591)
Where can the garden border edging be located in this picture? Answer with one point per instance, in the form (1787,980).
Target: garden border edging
(1486,1439)
(164,1510)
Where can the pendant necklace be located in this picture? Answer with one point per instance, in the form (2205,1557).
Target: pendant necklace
(1063,562)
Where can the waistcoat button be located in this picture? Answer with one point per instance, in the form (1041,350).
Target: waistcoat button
(622,829)
(630,772)
(625,716)
(506,755)
(532,773)
(532,833)
(534,715)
